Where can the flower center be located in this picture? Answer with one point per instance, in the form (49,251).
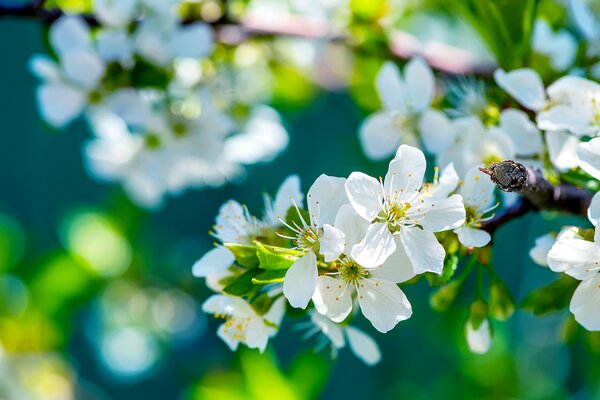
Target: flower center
(351,272)
(235,327)
(307,239)
(152,141)
(491,158)
(394,214)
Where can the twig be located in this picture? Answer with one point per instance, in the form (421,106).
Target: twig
(536,192)
(402,45)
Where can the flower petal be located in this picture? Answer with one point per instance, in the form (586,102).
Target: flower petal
(524,85)
(594,209)
(574,257)
(69,33)
(332,298)
(383,303)
(477,190)
(324,198)
(586,303)
(83,67)
(562,149)
(438,214)
(332,243)
(192,41)
(420,84)
(216,260)
(479,340)
(397,268)
(589,157)
(539,252)
(423,249)
(379,135)
(405,172)
(363,346)
(390,87)
(471,237)
(523,132)
(353,225)
(222,304)
(60,104)
(332,330)
(437,131)
(300,280)
(365,194)
(377,245)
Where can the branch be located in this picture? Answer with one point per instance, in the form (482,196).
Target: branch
(402,45)
(536,192)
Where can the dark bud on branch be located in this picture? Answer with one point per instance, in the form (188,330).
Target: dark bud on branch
(511,176)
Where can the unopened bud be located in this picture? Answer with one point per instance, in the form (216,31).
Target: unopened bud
(502,305)
(443,298)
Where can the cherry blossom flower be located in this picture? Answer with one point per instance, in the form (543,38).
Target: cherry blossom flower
(480,339)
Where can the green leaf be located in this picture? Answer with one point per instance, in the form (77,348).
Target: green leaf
(551,298)
(245,254)
(450,264)
(292,217)
(269,276)
(243,285)
(273,258)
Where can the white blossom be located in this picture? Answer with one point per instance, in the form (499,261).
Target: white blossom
(405,98)
(399,212)
(242,323)
(580,259)
(560,47)
(480,339)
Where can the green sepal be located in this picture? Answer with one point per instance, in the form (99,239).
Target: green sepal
(450,264)
(478,313)
(243,285)
(273,258)
(269,276)
(245,254)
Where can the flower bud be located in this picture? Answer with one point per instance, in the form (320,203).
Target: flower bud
(443,298)
(502,305)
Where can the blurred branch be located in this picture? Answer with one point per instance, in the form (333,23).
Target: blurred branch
(536,191)
(402,45)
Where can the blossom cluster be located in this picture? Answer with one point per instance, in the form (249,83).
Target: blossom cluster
(357,239)
(156,103)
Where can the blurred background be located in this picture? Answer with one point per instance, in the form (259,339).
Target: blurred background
(97,300)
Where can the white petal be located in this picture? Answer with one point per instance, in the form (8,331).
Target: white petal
(575,257)
(231,225)
(447,183)
(222,304)
(69,33)
(45,68)
(114,12)
(364,193)
(477,190)
(383,303)
(379,135)
(524,85)
(324,198)
(227,336)
(390,87)
(332,330)
(353,225)
(83,67)
(332,243)
(539,252)
(276,312)
(423,249)
(438,214)
(257,335)
(420,84)
(565,117)
(471,237)
(562,149)
(589,157)
(114,45)
(288,190)
(587,22)
(523,132)
(363,346)
(60,104)
(216,260)
(594,209)
(194,41)
(405,172)
(300,280)
(397,268)
(479,340)
(332,298)
(437,131)
(586,303)
(129,104)
(377,245)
